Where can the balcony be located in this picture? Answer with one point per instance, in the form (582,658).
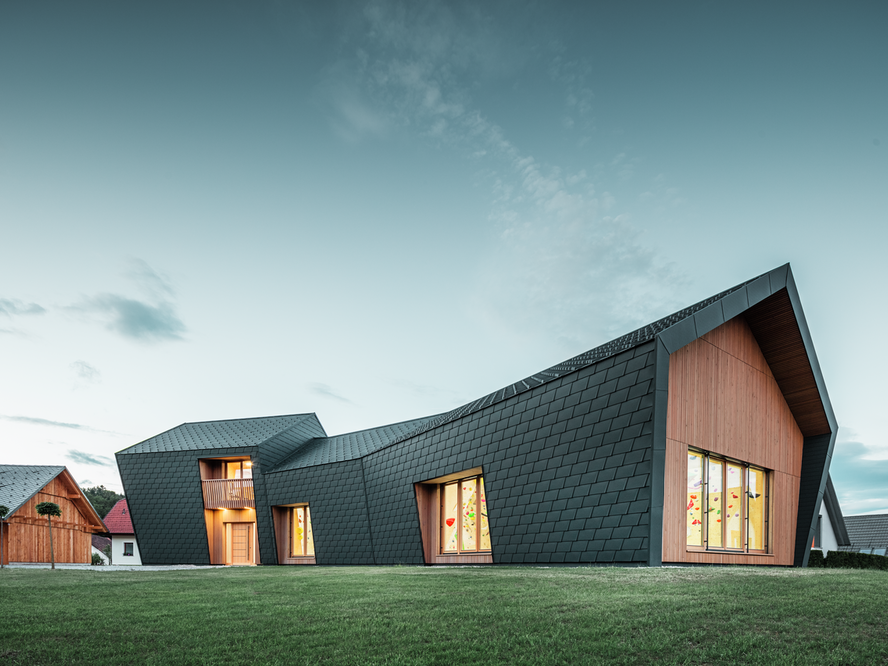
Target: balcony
(228,494)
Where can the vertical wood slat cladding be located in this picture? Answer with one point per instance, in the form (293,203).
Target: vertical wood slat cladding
(723,398)
(28,538)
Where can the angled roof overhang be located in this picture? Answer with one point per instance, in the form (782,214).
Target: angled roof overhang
(771,306)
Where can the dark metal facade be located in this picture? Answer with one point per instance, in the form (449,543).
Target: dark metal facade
(572,458)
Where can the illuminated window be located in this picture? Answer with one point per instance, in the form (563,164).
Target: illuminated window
(301,539)
(127,548)
(464,526)
(727,504)
(240,469)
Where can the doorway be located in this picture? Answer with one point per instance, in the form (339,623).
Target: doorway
(241,543)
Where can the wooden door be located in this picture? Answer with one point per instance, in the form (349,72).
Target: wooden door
(241,543)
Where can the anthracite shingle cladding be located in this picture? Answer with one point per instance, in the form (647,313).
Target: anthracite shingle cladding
(335,495)
(566,469)
(572,458)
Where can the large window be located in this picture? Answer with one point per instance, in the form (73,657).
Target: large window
(727,504)
(301,539)
(464,527)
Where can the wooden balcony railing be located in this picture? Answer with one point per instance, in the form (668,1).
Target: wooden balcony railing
(228,493)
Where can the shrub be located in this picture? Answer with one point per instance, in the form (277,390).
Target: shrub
(838,559)
(816,559)
(97,560)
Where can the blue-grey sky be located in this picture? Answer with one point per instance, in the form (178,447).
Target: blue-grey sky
(378,211)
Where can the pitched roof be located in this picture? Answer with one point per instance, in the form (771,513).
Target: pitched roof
(118,520)
(100,542)
(19,483)
(628,341)
(349,446)
(220,434)
(680,328)
(868,531)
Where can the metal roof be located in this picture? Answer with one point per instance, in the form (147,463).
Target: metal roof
(19,483)
(628,341)
(348,446)
(218,434)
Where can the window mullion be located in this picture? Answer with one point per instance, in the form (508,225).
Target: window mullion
(744,493)
(706,497)
(459,517)
(477,515)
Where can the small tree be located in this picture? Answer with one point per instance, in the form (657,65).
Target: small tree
(3,511)
(49,509)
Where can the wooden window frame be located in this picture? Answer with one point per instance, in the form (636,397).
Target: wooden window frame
(744,517)
(479,479)
(429,499)
(131,549)
(291,518)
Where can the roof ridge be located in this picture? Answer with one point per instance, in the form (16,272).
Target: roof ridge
(367,433)
(220,422)
(387,425)
(248,418)
(597,354)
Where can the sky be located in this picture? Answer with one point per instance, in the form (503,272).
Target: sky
(380,211)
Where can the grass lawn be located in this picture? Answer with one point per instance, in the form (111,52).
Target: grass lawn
(416,615)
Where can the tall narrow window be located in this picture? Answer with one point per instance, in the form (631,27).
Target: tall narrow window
(301,538)
(755,493)
(695,499)
(727,504)
(464,526)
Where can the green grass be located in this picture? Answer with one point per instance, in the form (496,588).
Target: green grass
(415,615)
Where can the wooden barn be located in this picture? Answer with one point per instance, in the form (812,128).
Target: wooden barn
(26,535)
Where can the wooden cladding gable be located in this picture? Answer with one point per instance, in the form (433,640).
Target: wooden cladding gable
(724,398)
(26,534)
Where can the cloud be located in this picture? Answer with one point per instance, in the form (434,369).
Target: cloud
(85,371)
(88,458)
(569,264)
(134,319)
(327,392)
(151,281)
(33,420)
(11,307)
(45,422)
(352,115)
(860,477)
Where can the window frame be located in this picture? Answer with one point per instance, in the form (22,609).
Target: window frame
(725,462)
(129,546)
(291,522)
(481,512)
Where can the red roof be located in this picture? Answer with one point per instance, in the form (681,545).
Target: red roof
(118,519)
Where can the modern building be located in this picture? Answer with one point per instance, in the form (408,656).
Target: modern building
(124,547)
(704,437)
(26,534)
